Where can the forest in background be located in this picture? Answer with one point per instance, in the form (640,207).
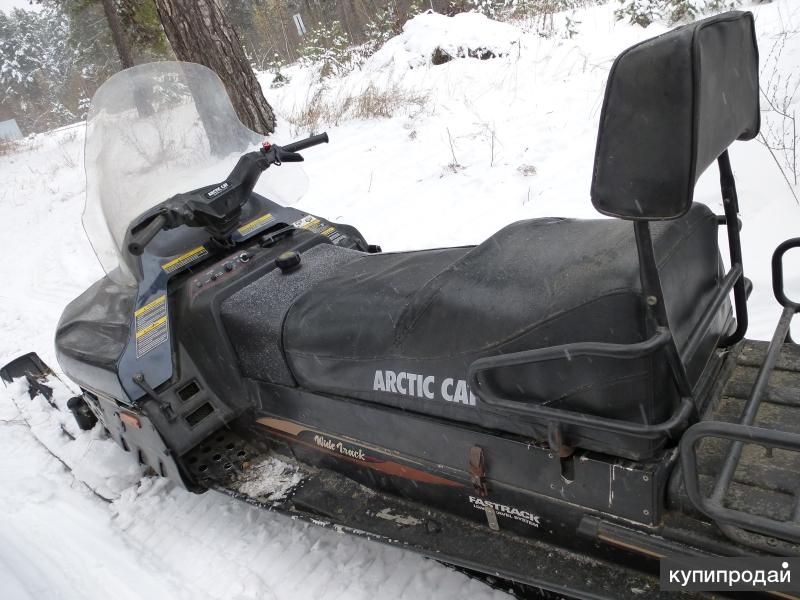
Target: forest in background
(54,56)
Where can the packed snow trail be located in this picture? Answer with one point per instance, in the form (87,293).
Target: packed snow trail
(57,540)
(155,540)
(522,128)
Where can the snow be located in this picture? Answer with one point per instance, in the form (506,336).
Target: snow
(271,479)
(157,541)
(494,141)
(7,6)
(457,36)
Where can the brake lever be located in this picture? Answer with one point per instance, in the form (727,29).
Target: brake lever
(282,156)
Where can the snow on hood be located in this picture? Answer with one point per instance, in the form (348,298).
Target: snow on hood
(461,35)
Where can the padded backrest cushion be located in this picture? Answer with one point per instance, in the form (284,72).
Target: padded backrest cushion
(673,104)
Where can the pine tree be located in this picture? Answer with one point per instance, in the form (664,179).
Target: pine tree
(36,66)
(199,32)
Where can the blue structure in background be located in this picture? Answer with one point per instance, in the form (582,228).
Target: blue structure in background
(9,130)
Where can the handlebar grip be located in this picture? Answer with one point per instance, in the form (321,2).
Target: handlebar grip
(145,235)
(322,138)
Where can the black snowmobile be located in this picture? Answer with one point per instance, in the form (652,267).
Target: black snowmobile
(560,406)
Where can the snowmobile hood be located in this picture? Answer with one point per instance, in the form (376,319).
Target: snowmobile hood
(156,130)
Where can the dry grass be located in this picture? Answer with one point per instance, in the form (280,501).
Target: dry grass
(539,16)
(779,131)
(324,108)
(70,153)
(8,147)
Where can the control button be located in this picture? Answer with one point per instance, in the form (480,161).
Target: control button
(288,261)
(245,256)
(199,284)
(229,266)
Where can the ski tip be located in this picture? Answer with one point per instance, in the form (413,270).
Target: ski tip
(28,365)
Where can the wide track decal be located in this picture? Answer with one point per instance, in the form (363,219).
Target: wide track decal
(359,453)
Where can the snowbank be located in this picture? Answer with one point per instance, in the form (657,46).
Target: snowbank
(463,35)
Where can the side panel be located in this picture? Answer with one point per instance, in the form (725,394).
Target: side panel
(399,450)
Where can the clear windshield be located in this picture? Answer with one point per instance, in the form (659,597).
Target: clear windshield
(157,130)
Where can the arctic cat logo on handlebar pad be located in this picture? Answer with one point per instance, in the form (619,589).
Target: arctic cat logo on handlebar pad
(218,190)
(423,386)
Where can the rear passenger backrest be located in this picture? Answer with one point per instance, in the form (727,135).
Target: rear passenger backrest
(673,104)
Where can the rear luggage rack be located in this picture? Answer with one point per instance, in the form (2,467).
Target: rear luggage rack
(736,523)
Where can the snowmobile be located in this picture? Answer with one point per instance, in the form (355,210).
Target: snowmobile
(559,407)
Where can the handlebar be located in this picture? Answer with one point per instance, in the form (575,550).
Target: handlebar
(239,185)
(322,138)
(145,235)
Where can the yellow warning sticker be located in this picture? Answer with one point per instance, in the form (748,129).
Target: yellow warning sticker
(315,225)
(189,257)
(151,325)
(256,224)
(152,305)
(307,222)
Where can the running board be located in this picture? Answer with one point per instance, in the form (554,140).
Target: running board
(328,499)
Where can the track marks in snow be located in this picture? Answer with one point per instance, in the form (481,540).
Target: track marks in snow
(56,539)
(232,550)
(156,540)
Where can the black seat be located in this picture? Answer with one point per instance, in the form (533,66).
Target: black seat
(589,334)
(430,314)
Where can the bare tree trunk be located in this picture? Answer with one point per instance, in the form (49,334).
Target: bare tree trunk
(123,46)
(118,34)
(199,32)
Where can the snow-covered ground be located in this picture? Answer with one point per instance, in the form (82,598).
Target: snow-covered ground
(485,143)
(8,5)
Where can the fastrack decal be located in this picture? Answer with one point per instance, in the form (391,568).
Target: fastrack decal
(503,510)
(423,386)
